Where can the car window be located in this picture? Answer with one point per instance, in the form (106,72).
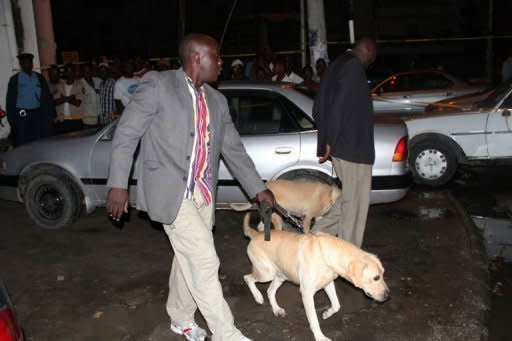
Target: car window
(303,120)
(259,113)
(507,103)
(397,83)
(108,134)
(495,96)
(415,82)
(430,81)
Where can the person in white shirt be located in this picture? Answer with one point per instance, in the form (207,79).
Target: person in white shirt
(125,86)
(280,74)
(68,99)
(91,99)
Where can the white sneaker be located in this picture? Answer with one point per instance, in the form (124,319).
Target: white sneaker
(191,331)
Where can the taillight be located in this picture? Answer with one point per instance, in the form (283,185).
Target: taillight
(400,153)
(9,330)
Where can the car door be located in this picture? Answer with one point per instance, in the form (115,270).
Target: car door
(269,133)
(499,129)
(99,168)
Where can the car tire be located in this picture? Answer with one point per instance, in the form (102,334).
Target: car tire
(432,163)
(52,201)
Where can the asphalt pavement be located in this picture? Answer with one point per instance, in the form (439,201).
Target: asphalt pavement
(96,281)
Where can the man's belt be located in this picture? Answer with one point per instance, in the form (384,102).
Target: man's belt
(24,112)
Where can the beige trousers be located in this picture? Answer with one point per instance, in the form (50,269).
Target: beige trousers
(347,218)
(194,279)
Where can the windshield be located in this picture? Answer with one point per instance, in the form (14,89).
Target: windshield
(495,96)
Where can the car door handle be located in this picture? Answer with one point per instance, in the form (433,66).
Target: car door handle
(283,150)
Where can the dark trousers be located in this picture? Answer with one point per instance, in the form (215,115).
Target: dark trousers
(68,126)
(28,126)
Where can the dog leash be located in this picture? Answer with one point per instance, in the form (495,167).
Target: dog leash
(266,215)
(290,219)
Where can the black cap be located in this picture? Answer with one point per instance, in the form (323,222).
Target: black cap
(23,56)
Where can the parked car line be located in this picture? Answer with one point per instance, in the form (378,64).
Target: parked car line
(59,177)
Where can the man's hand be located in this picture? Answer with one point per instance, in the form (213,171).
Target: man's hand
(117,203)
(266,197)
(327,154)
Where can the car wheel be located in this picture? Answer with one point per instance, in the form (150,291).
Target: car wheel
(52,201)
(432,163)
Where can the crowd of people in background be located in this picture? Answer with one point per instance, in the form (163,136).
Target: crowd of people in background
(92,94)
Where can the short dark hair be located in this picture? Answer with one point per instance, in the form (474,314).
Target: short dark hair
(187,43)
(25,56)
(366,41)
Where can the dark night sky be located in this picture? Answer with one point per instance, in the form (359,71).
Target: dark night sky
(150,27)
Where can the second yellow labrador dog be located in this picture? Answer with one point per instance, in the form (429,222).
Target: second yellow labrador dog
(303,198)
(313,261)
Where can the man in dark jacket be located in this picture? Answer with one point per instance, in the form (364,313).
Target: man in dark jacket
(343,112)
(30,107)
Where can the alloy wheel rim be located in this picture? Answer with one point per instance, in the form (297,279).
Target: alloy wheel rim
(431,164)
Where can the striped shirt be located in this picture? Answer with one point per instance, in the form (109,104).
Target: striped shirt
(200,173)
(107,104)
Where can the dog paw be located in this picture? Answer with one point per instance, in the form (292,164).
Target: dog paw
(280,312)
(258,297)
(328,313)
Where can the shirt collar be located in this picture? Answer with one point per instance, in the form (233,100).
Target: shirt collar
(190,83)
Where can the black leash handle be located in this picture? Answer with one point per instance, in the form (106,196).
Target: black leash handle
(266,216)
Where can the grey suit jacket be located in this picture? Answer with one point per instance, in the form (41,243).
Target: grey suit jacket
(161,115)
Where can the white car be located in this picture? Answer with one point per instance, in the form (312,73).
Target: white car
(438,142)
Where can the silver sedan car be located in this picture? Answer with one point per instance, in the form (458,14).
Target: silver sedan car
(60,177)
(410,92)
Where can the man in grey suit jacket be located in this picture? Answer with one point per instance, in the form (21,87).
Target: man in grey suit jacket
(175,186)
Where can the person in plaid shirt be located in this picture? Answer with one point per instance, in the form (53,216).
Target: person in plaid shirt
(107,104)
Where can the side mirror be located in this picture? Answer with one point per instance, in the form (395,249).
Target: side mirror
(505,113)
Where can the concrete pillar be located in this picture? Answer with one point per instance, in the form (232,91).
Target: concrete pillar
(316,30)
(44,29)
(29,31)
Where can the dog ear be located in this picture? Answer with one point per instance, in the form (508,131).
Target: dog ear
(355,272)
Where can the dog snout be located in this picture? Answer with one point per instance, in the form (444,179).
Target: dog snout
(385,296)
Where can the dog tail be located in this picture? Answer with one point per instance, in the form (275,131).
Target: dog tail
(249,232)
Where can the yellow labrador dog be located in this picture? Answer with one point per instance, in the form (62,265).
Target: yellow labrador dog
(302,198)
(313,261)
